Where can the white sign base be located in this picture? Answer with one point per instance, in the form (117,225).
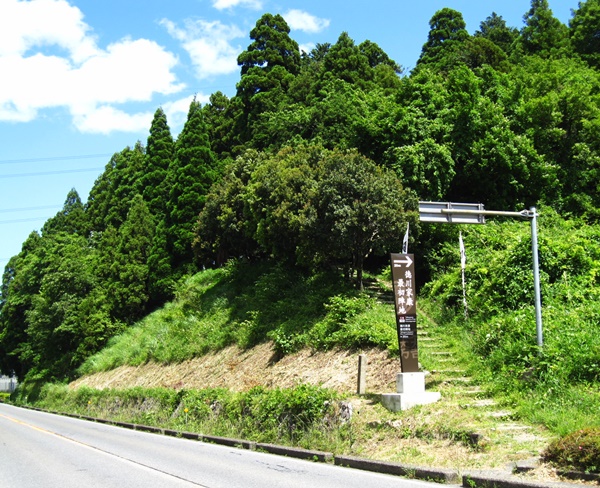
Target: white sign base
(411,392)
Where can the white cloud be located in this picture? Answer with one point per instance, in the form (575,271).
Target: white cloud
(49,60)
(105,119)
(307,48)
(225,4)
(209,45)
(303,21)
(176,111)
(26,25)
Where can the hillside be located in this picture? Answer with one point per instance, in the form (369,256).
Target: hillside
(500,403)
(240,370)
(466,430)
(235,255)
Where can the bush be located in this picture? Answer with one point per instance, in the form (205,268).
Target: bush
(579,450)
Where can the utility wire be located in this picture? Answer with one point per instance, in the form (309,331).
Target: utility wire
(27,209)
(48,173)
(18,221)
(54,158)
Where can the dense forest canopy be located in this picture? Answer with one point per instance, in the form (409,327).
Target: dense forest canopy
(318,161)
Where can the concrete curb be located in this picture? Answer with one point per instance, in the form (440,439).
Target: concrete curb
(495,480)
(296,452)
(475,479)
(398,469)
(227,441)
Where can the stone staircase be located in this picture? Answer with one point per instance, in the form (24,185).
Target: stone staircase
(440,358)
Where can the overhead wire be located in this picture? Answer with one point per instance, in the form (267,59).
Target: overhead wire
(49,173)
(28,209)
(53,158)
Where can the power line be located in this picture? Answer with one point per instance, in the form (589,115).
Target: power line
(53,158)
(18,221)
(49,173)
(27,209)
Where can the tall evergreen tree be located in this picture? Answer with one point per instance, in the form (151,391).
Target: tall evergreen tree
(159,154)
(268,67)
(191,174)
(584,31)
(543,34)
(447,33)
(111,195)
(494,28)
(345,61)
(130,271)
(71,219)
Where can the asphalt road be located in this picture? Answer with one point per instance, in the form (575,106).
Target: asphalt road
(42,450)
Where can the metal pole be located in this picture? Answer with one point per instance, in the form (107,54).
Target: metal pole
(536,278)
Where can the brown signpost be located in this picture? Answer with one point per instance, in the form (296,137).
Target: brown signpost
(405,301)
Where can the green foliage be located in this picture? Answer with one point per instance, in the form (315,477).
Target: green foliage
(501,320)
(159,155)
(306,205)
(579,450)
(543,34)
(583,31)
(494,28)
(245,305)
(191,174)
(505,117)
(288,416)
(446,36)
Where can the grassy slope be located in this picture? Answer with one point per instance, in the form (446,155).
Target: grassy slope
(497,387)
(557,386)
(248,304)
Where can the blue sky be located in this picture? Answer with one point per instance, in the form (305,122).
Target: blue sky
(81,79)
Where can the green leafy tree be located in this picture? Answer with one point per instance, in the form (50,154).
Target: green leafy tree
(68,319)
(479,51)
(584,31)
(359,210)
(278,195)
(20,283)
(225,229)
(426,167)
(557,108)
(494,164)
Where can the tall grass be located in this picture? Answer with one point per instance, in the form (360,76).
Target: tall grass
(306,416)
(557,384)
(246,304)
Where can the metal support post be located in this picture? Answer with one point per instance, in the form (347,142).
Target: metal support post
(536,278)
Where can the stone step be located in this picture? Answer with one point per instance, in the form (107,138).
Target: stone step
(458,379)
(485,402)
(501,414)
(473,391)
(449,372)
